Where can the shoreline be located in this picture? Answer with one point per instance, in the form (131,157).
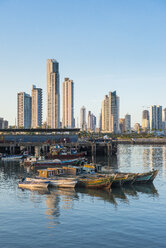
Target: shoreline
(142,141)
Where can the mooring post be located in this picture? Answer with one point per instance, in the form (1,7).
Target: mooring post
(93,148)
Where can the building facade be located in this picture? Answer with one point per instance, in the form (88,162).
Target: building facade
(91,125)
(122,125)
(156,118)
(68,104)
(53,94)
(145,120)
(128,123)
(24,110)
(37,97)
(110,113)
(83,124)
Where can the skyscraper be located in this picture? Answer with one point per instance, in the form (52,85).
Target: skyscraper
(53,95)
(110,113)
(83,124)
(68,104)
(156,117)
(91,126)
(36,94)
(127,123)
(24,110)
(113,112)
(145,120)
(100,121)
(105,114)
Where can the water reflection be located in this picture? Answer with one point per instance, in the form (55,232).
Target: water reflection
(57,200)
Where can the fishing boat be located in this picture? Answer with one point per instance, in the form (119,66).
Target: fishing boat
(95,182)
(146,177)
(60,182)
(33,185)
(12,158)
(45,162)
(132,178)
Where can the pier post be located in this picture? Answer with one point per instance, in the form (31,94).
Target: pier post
(93,149)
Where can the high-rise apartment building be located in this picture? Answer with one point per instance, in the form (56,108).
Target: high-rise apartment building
(36,94)
(24,110)
(145,120)
(68,104)
(122,125)
(83,124)
(53,94)
(3,123)
(128,123)
(100,121)
(110,113)
(156,117)
(105,114)
(91,126)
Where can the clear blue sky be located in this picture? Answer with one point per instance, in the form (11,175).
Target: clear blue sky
(103,45)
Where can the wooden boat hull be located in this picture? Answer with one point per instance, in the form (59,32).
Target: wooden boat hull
(146,177)
(56,182)
(32,185)
(94,183)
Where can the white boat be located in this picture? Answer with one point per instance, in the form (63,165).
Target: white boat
(63,182)
(56,182)
(33,185)
(12,158)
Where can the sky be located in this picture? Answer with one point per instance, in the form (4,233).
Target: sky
(103,45)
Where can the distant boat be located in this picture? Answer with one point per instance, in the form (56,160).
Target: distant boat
(32,161)
(12,158)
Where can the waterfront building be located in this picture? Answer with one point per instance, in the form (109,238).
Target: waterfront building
(145,120)
(128,123)
(164,119)
(156,117)
(83,124)
(36,94)
(100,121)
(53,94)
(68,104)
(105,114)
(5,124)
(110,113)
(137,127)
(122,125)
(24,110)
(91,126)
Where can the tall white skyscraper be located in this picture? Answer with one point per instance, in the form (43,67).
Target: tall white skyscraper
(156,117)
(83,124)
(68,104)
(110,113)
(36,94)
(24,110)
(53,95)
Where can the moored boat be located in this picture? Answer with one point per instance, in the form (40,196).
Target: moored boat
(95,182)
(12,158)
(60,182)
(33,185)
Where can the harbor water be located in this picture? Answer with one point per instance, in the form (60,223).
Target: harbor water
(130,216)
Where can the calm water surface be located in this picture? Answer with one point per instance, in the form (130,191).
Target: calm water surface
(132,216)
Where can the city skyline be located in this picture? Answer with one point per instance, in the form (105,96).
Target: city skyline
(113,46)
